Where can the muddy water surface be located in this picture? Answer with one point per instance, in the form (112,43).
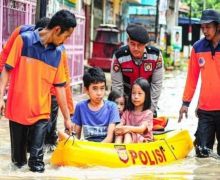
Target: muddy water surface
(170,102)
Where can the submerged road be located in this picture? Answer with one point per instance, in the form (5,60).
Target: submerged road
(169,104)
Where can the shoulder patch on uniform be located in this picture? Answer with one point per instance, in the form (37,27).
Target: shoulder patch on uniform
(159,62)
(116,67)
(159,65)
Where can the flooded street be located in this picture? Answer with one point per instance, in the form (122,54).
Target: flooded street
(169,104)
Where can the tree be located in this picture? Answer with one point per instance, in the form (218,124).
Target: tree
(199,6)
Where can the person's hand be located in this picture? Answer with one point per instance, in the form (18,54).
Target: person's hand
(2,107)
(121,130)
(183,110)
(68,125)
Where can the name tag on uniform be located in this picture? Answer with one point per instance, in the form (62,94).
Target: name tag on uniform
(127,70)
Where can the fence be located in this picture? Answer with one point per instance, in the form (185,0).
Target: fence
(75,50)
(17,12)
(12,14)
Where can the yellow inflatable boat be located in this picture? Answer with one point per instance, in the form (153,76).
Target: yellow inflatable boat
(167,147)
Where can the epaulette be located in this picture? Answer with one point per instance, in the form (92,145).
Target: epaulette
(152,50)
(123,51)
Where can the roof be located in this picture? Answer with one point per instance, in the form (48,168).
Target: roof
(185,20)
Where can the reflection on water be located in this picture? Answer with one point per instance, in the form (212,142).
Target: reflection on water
(170,102)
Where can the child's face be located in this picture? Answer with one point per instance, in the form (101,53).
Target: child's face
(121,104)
(137,96)
(96,92)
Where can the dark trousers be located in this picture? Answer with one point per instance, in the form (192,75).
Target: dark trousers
(51,136)
(19,134)
(208,129)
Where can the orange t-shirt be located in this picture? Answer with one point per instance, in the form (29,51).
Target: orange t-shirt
(34,70)
(7,48)
(207,63)
(69,96)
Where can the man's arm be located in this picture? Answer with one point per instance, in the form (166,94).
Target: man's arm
(12,60)
(191,83)
(61,99)
(116,76)
(4,78)
(156,83)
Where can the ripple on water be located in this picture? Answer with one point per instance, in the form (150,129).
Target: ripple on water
(169,104)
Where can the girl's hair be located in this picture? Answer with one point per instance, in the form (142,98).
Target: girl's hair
(115,94)
(145,86)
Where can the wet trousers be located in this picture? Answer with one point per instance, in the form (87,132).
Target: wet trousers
(19,135)
(208,129)
(51,135)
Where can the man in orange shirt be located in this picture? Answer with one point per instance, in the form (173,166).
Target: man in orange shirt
(35,65)
(42,23)
(205,59)
(51,135)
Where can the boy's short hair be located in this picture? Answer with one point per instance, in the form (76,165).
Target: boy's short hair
(93,76)
(63,18)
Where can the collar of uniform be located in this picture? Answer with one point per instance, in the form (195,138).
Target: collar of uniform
(37,39)
(208,43)
(145,53)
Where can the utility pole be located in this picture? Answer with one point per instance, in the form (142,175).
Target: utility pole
(157,20)
(41,9)
(190,26)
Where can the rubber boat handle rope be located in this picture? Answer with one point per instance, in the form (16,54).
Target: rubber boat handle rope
(72,134)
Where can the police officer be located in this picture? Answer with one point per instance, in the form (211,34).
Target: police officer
(204,59)
(137,59)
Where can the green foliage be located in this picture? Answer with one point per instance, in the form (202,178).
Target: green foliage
(198,6)
(167,60)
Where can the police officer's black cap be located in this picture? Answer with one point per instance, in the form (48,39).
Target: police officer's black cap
(137,33)
(210,15)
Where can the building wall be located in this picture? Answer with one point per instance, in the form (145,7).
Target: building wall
(172,15)
(14,13)
(75,45)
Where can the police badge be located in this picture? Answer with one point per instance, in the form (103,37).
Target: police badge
(122,153)
(148,66)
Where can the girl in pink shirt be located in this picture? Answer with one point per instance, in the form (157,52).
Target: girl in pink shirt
(137,121)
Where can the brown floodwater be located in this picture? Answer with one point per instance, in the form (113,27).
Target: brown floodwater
(169,104)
